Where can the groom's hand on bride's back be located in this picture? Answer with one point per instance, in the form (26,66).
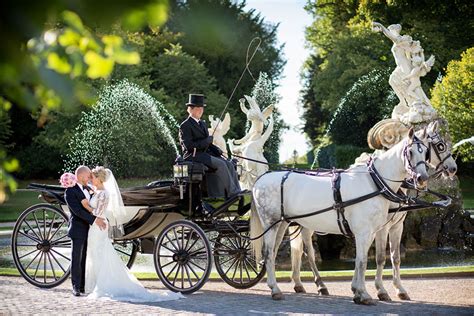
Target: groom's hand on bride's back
(101,223)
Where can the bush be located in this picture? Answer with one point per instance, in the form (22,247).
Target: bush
(453,98)
(339,156)
(125,131)
(368,101)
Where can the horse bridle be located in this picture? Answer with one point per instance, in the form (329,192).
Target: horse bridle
(437,144)
(411,170)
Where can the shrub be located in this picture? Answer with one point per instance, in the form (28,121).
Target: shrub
(453,98)
(339,156)
(368,101)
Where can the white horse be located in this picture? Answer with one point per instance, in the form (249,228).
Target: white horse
(305,194)
(442,161)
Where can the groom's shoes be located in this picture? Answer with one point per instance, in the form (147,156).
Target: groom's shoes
(76,292)
(82,291)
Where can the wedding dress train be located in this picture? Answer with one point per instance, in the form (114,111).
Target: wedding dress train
(106,274)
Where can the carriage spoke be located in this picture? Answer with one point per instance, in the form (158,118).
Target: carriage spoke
(189,238)
(37,224)
(197,251)
(39,262)
(224,245)
(51,226)
(52,268)
(192,245)
(251,266)
(57,241)
(230,267)
(29,253)
(30,237)
(31,228)
(174,246)
(191,262)
(171,262)
(44,230)
(26,268)
(171,250)
(57,229)
(246,270)
(182,276)
(182,237)
(176,274)
(59,264)
(171,271)
(176,238)
(189,276)
(224,262)
(44,264)
(194,272)
(235,270)
(61,254)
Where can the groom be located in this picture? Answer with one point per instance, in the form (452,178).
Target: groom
(79,224)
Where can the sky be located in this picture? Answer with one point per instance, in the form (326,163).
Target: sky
(293,19)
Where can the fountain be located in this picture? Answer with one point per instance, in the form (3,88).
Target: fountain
(126,130)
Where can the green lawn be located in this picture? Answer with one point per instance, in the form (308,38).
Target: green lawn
(285,275)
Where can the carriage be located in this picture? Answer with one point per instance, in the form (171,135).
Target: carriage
(167,222)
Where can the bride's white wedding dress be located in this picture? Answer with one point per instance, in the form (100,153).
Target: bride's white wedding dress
(106,274)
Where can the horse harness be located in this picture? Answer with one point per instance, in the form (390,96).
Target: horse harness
(405,202)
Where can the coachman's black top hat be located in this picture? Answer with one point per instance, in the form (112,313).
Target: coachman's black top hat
(196,100)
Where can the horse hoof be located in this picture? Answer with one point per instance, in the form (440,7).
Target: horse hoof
(299,289)
(277,296)
(404,296)
(368,301)
(324,292)
(384,297)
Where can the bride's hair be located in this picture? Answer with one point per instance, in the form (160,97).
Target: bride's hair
(100,173)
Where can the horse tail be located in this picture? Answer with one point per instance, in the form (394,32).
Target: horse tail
(256,229)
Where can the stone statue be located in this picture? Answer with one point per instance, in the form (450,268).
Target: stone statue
(414,106)
(218,130)
(251,145)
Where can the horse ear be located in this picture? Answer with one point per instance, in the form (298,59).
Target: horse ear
(411,134)
(423,135)
(435,126)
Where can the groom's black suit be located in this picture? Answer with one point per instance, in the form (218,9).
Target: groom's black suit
(78,231)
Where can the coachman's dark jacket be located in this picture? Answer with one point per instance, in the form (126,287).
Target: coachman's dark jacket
(195,135)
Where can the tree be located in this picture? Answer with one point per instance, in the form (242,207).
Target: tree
(346,49)
(125,131)
(453,98)
(368,101)
(217,33)
(48,46)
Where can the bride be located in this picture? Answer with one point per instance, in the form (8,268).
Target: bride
(106,274)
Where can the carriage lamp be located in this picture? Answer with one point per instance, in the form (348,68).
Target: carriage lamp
(180,171)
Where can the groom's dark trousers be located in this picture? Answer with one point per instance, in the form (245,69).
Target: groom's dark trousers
(78,231)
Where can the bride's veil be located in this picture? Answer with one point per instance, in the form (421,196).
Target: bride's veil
(115,211)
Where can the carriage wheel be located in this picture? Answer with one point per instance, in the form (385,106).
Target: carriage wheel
(235,261)
(40,246)
(182,256)
(127,251)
